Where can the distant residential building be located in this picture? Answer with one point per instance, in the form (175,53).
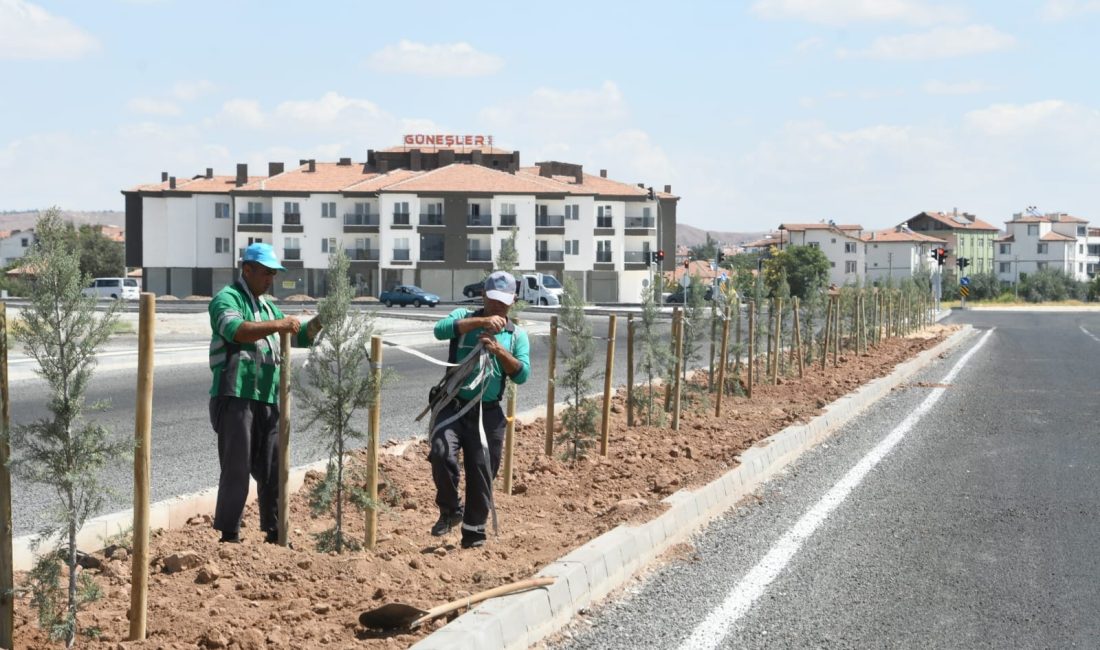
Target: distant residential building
(14,244)
(841,244)
(1033,242)
(776,238)
(898,253)
(965,234)
(1092,251)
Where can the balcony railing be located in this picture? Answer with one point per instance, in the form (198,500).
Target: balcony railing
(550,221)
(364,254)
(292,218)
(292,254)
(431,219)
(641,222)
(254,218)
(508,220)
(603,257)
(478,255)
(400,218)
(549,256)
(604,222)
(636,257)
(479,220)
(361,219)
(401,255)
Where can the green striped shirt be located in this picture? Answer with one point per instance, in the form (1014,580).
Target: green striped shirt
(515,342)
(248,370)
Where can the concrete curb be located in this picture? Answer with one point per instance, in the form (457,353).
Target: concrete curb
(594,570)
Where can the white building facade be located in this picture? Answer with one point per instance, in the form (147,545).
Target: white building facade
(1032,242)
(15,245)
(899,254)
(841,244)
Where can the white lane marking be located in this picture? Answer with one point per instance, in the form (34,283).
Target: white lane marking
(713,629)
(1090,334)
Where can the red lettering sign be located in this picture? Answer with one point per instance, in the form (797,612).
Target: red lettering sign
(449,140)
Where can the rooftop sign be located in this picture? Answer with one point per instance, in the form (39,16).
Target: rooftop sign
(441,140)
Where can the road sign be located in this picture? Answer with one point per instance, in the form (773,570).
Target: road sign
(965,281)
(685,280)
(964,290)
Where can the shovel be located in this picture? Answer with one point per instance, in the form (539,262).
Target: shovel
(398,616)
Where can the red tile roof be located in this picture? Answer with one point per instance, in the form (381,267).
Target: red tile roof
(962,223)
(895,236)
(799,227)
(471,178)
(1005,239)
(326,177)
(1056,236)
(1049,218)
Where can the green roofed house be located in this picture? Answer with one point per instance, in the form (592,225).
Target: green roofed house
(966,236)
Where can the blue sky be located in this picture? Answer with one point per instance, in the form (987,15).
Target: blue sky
(756,112)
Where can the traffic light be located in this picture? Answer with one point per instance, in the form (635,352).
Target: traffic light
(962,262)
(941,256)
(721,257)
(659,256)
(687,264)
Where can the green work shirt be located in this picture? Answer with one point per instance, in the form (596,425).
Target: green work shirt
(247,370)
(515,342)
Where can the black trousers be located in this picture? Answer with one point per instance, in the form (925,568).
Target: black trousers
(462,435)
(248,437)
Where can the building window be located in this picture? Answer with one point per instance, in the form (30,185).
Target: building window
(292,248)
(833,240)
(1041,265)
(1042,249)
(1082,231)
(328,210)
(603,251)
(1006,249)
(401,249)
(849,247)
(25,242)
(1081,249)
(401,215)
(850,266)
(603,216)
(572,247)
(431,247)
(221,244)
(221,210)
(1005,267)
(814,244)
(573,212)
(1080,267)
(1033,229)
(328,245)
(832,264)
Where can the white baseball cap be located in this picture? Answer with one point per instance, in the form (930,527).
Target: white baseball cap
(501,286)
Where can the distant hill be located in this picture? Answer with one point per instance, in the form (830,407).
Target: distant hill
(24,219)
(691,236)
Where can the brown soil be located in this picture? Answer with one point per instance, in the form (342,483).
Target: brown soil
(255,595)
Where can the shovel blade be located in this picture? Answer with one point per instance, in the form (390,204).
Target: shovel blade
(391,616)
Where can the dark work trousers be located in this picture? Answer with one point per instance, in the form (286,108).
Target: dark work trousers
(462,434)
(248,437)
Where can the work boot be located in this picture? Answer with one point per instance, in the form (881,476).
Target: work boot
(446,521)
(230,538)
(472,540)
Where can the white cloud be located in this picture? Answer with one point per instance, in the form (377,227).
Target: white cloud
(152,106)
(937,87)
(243,112)
(29,32)
(189,91)
(1062,9)
(845,12)
(1055,119)
(332,109)
(939,43)
(434,60)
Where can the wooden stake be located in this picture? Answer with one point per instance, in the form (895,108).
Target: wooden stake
(605,424)
(752,344)
(722,364)
(549,447)
(798,340)
(509,441)
(630,370)
(669,385)
(371,533)
(7,577)
(284,440)
(737,338)
(770,340)
(836,333)
(777,304)
(143,427)
(679,366)
(713,335)
(828,330)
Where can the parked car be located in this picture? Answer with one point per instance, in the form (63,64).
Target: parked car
(408,294)
(474,289)
(677,297)
(116,288)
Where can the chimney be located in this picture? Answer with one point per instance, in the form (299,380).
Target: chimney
(370,157)
(312,165)
(641,185)
(668,189)
(367,168)
(578,177)
(956,213)
(545,171)
(475,157)
(383,166)
(163,176)
(513,167)
(414,160)
(210,172)
(446,157)
(302,161)
(171,182)
(242,174)
(345,162)
(274,168)
(603,173)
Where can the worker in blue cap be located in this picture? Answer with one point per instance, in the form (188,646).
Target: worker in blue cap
(244,397)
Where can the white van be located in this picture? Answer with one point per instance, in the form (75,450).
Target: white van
(117,288)
(540,289)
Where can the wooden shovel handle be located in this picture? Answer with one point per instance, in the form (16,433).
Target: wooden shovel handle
(502,590)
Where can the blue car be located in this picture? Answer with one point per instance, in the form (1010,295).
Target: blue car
(408,294)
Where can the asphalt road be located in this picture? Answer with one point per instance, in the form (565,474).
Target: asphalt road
(977,529)
(184,451)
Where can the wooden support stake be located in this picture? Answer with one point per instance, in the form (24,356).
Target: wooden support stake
(7,577)
(375,430)
(549,450)
(770,340)
(752,343)
(737,338)
(605,424)
(798,341)
(143,428)
(722,363)
(284,440)
(836,333)
(509,441)
(713,342)
(825,334)
(679,348)
(630,370)
(778,304)
(669,385)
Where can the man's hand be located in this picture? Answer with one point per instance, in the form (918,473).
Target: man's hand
(490,343)
(289,325)
(493,324)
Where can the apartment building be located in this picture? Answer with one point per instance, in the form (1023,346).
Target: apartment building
(427,215)
(898,253)
(14,244)
(965,234)
(1052,241)
(841,244)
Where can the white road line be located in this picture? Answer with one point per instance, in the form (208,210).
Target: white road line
(714,628)
(1090,334)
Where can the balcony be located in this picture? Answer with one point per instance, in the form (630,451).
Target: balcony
(550,221)
(647,223)
(479,220)
(636,257)
(365,254)
(254,218)
(292,218)
(431,219)
(292,254)
(361,219)
(508,220)
(400,218)
(549,256)
(401,255)
(603,257)
(478,255)
(604,223)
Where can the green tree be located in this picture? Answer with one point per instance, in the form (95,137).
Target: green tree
(99,255)
(334,384)
(806,268)
(742,262)
(579,418)
(705,251)
(696,324)
(1050,284)
(62,332)
(655,355)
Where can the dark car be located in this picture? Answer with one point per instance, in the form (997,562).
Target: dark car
(677,297)
(408,294)
(474,289)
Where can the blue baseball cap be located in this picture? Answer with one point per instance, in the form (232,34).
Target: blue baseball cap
(501,286)
(262,254)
